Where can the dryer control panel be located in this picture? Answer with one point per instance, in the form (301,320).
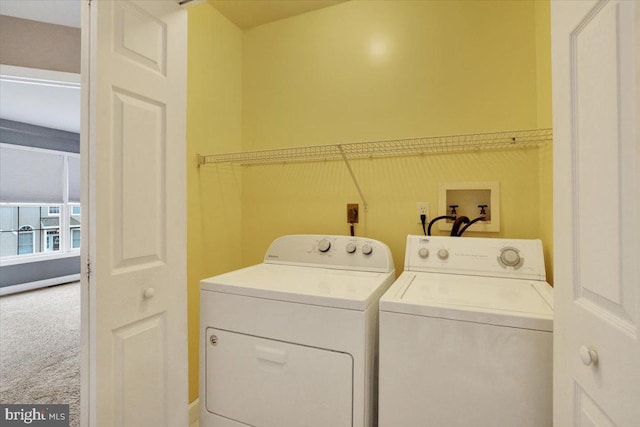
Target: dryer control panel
(339,252)
(514,258)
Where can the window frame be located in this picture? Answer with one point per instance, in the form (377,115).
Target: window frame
(21,232)
(54,232)
(71,239)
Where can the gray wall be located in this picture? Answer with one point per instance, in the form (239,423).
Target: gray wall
(36,271)
(39,137)
(32,44)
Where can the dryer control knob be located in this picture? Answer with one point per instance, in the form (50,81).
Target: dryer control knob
(510,257)
(324,245)
(351,247)
(423,252)
(443,254)
(367,249)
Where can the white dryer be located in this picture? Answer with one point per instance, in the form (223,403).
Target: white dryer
(466,336)
(292,342)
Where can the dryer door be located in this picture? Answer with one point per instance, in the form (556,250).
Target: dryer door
(266,383)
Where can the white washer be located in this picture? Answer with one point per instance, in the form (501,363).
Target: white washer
(466,336)
(292,342)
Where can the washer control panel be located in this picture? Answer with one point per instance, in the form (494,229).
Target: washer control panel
(340,252)
(516,258)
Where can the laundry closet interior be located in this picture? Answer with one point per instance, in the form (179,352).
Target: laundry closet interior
(361,72)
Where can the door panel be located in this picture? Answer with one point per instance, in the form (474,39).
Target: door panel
(600,73)
(140,37)
(589,413)
(139,204)
(140,367)
(595,58)
(135,156)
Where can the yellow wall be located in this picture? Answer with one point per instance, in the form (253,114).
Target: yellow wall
(312,197)
(360,71)
(367,70)
(371,70)
(213,126)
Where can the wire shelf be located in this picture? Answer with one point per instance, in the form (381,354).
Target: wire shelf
(396,147)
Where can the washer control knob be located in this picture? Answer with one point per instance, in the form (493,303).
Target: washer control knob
(351,247)
(588,355)
(443,254)
(367,249)
(423,252)
(510,257)
(324,245)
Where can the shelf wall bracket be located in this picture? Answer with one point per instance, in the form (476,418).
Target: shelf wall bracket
(353,177)
(200,160)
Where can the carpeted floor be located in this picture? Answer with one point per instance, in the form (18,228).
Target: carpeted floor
(40,347)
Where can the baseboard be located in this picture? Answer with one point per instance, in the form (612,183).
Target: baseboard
(194,411)
(6,290)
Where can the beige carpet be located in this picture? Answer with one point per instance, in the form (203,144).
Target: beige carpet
(40,347)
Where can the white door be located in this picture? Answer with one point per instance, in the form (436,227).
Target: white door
(133,152)
(596,106)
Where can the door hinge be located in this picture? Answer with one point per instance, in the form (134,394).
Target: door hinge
(88,269)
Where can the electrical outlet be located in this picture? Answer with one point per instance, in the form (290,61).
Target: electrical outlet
(352,213)
(422,208)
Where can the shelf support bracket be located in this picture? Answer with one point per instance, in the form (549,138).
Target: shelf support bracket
(353,177)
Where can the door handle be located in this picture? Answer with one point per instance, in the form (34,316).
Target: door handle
(149,293)
(588,355)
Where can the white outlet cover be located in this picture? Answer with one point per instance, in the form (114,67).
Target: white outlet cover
(419,209)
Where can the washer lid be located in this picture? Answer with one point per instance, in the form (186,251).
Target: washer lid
(495,301)
(354,290)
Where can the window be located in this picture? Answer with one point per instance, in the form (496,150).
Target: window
(28,229)
(52,241)
(39,199)
(74,226)
(75,238)
(26,240)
